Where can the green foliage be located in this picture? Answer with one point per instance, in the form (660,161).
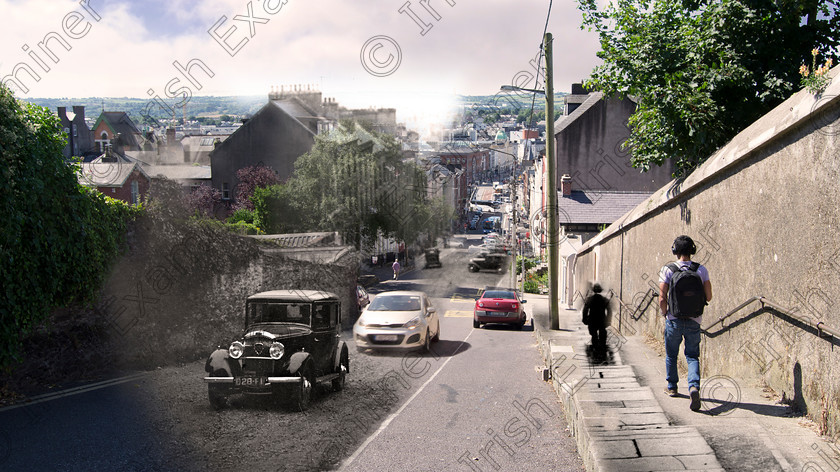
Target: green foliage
(702,70)
(59,238)
(353,181)
(242,215)
(530,263)
(533,282)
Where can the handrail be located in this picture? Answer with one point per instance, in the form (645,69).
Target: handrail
(819,326)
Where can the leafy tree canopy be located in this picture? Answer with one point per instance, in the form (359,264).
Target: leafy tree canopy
(703,70)
(353,181)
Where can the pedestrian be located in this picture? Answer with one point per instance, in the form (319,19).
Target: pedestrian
(684,290)
(596,310)
(396,267)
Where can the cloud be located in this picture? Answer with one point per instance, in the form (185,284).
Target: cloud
(473,48)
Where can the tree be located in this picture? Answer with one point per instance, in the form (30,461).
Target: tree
(59,238)
(204,199)
(353,181)
(250,178)
(702,70)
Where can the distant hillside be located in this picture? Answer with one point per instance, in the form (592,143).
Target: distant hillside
(214,107)
(198,106)
(512,100)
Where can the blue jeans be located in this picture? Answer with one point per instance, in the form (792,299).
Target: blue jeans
(675,331)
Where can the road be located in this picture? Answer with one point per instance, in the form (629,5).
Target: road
(475,403)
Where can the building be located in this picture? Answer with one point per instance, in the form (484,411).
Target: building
(79,137)
(116,176)
(589,143)
(115,129)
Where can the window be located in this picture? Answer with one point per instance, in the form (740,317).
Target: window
(225,191)
(135,192)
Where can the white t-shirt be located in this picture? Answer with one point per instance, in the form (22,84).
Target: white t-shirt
(665,277)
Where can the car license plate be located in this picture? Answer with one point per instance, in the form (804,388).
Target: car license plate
(249,381)
(386,337)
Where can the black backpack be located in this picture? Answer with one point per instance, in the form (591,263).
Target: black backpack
(686,294)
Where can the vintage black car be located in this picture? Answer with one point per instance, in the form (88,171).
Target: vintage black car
(432,258)
(488,261)
(291,342)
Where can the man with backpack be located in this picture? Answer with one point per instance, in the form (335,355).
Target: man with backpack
(684,290)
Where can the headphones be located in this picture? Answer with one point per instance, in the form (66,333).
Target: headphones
(686,243)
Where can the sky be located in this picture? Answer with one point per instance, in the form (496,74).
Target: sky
(405,54)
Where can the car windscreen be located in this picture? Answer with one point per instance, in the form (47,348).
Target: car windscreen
(395,303)
(278,312)
(497,294)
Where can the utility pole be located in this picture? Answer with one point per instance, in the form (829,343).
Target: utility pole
(551,160)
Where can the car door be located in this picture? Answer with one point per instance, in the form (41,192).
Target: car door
(324,337)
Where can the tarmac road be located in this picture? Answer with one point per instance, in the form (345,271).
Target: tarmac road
(476,403)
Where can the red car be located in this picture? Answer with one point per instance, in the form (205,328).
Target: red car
(499,306)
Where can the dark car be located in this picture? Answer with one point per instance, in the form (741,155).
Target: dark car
(290,343)
(488,261)
(432,258)
(499,306)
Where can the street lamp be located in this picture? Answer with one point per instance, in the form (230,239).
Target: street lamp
(551,164)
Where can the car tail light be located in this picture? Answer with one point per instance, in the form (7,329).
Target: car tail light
(276,350)
(236,349)
(481,304)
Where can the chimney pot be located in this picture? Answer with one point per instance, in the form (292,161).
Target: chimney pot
(566,185)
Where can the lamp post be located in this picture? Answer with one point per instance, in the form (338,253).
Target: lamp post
(551,164)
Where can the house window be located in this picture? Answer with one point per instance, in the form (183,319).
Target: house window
(135,192)
(225,191)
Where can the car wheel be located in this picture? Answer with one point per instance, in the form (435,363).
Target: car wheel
(437,334)
(476,324)
(427,344)
(343,367)
(303,390)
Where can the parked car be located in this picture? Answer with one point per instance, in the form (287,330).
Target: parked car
(397,320)
(291,342)
(488,261)
(486,248)
(499,306)
(362,297)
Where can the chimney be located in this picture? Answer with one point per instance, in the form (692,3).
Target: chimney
(566,185)
(79,110)
(62,113)
(170,136)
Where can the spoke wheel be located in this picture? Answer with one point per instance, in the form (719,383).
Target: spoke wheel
(303,389)
(344,367)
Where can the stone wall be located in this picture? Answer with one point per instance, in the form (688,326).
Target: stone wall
(764,211)
(180,289)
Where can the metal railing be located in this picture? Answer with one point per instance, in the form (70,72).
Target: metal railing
(819,326)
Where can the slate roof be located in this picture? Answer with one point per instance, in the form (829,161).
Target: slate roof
(597,206)
(107,174)
(179,171)
(120,123)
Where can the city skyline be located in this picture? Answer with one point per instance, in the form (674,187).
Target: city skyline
(410,55)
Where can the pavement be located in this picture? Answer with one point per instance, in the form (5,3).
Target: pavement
(622,420)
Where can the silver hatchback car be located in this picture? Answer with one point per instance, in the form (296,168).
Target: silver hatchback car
(397,320)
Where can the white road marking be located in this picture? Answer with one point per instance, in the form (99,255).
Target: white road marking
(390,418)
(74,391)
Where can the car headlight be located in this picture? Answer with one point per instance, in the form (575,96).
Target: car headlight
(481,304)
(362,322)
(236,349)
(413,323)
(276,350)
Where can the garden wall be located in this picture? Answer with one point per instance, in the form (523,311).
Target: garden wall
(764,211)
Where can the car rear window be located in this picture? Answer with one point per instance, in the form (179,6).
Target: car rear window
(395,303)
(497,294)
